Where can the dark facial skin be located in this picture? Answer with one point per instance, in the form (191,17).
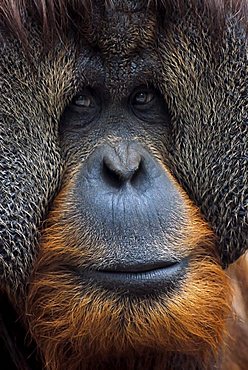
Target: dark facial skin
(121,192)
(122,237)
(120,205)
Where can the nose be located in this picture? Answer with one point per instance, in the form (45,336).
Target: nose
(122,164)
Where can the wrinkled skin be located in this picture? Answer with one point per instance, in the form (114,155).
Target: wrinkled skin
(124,184)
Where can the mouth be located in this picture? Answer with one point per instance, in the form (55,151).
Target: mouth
(139,279)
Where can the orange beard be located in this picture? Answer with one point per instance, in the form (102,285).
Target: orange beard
(81,326)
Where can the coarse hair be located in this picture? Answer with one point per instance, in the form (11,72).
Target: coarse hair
(56,17)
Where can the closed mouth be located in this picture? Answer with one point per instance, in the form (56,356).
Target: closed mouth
(140,279)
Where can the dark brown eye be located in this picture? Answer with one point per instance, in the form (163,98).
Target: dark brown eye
(83,109)
(84,101)
(142,97)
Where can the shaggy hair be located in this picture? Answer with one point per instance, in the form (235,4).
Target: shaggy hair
(56,17)
(207,98)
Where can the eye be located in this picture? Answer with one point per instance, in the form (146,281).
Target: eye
(84,100)
(148,105)
(83,109)
(142,97)
(86,103)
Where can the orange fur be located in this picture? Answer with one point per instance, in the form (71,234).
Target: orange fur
(81,326)
(234,349)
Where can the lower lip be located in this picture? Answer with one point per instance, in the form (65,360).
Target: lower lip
(141,282)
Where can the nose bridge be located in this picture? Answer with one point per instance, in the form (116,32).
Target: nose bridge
(127,154)
(123,159)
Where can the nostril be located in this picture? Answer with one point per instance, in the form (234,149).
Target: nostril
(118,172)
(120,167)
(111,176)
(116,177)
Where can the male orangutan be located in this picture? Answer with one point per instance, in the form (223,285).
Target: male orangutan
(123,184)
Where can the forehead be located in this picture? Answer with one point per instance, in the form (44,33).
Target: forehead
(122,45)
(125,29)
